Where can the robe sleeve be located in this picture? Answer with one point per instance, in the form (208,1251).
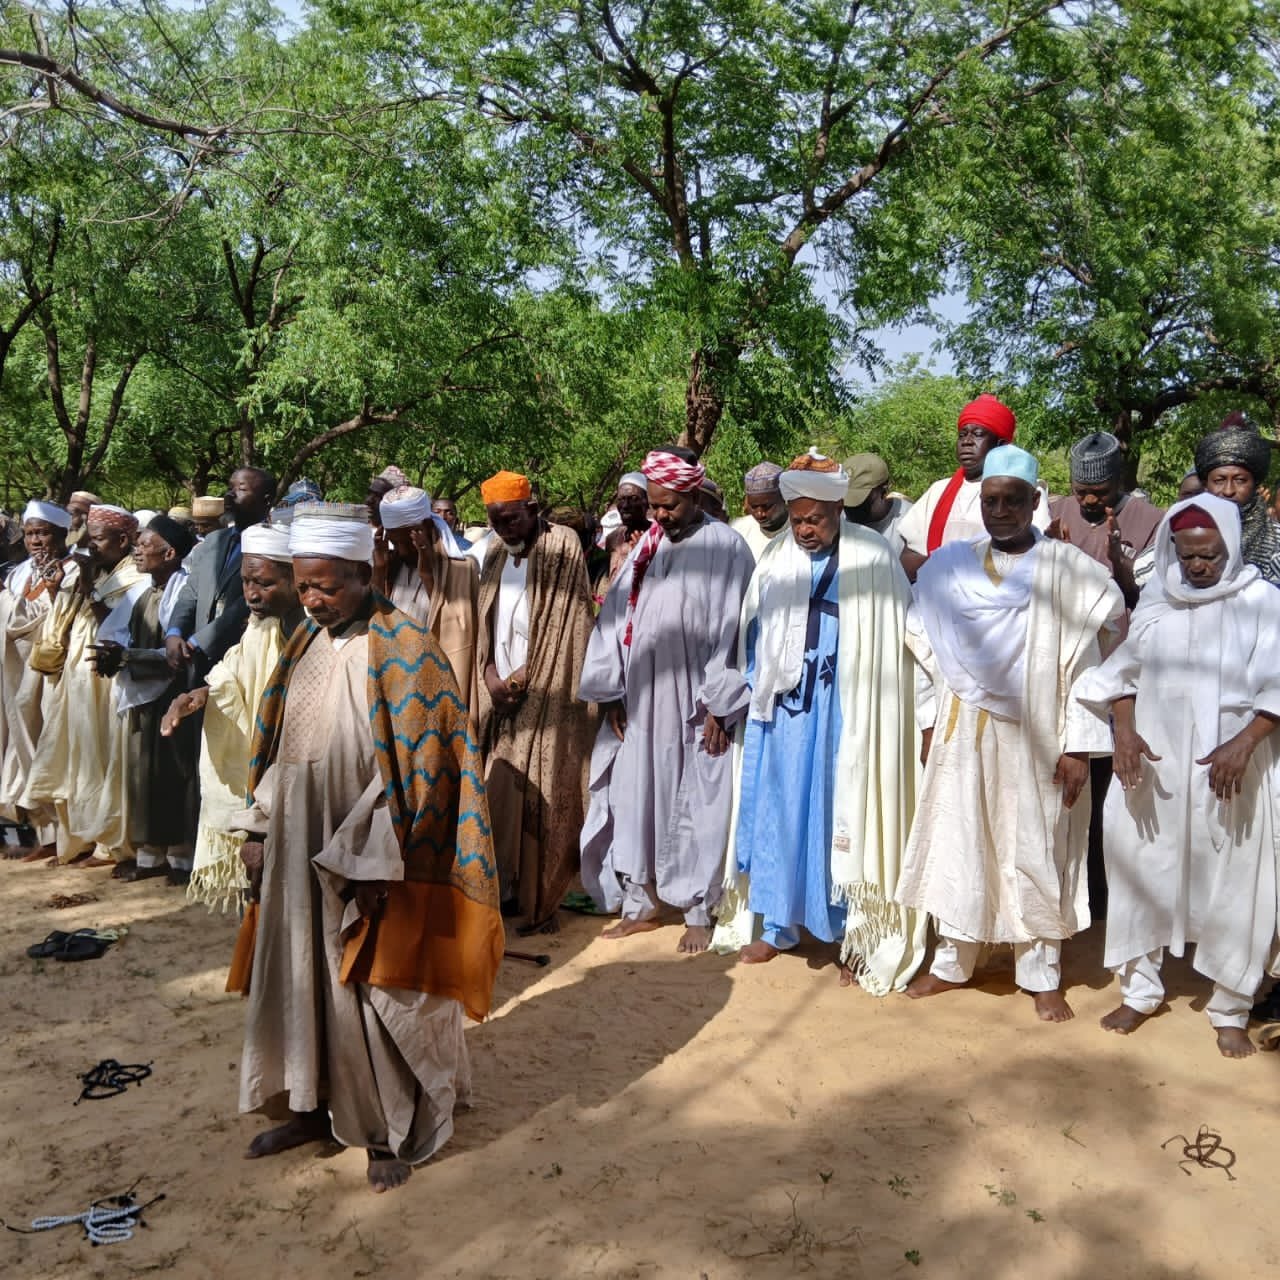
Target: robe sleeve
(926,673)
(723,691)
(256,815)
(365,847)
(603,677)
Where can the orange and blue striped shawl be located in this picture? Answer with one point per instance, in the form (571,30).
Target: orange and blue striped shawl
(440,930)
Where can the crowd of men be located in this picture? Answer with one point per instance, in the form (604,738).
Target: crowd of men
(989,717)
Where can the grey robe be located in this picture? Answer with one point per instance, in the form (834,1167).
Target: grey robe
(659,804)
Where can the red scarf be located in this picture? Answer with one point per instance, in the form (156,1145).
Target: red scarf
(942,512)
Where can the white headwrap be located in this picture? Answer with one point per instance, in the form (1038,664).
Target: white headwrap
(269,541)
(144,517)
(337,529)
(821,486)
(407,507)
(637,479)
(48,512)
(1166,583)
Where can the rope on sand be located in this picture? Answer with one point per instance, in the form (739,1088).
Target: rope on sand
(1202,1152)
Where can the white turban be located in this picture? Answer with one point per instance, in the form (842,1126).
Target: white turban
(636,478)
(337,529)
(407,507)
(144,517)
(271,542)
(821,486)
(46,511)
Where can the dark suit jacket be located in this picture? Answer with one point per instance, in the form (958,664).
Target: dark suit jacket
(210,610)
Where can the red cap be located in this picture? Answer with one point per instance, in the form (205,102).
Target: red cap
(986,411)
(1191,518)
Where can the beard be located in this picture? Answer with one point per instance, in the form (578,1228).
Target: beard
(513,548)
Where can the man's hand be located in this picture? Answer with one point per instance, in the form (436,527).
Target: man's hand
(177,652)
(106,658)
(253,854)
(184,705)
(424,538)
(1056,531)
(926,742)
(1130,749)
(715,740)
(616,714)
(1071,775)
(505,698)
(370,897)
(1227,764)
(1121,563)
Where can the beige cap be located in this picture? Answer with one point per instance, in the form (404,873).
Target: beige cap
(208,508)
(866,472)
(179,513)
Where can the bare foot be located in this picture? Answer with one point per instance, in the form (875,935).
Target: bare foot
(46,853)
(928,985)
(696,938)
(625,928)
(758,952)
(1052,1006)
(1123,1020)
(386,1172)
(297,1131)
(93,864)
(85,855)
(19,853)
(1235,1043)
(847,976)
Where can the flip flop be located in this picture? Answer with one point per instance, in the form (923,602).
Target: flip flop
(582,904)
(49,947)
(87,945)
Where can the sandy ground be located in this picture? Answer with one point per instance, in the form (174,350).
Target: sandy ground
(638,1114)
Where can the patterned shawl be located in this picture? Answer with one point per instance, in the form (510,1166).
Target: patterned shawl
(440,931)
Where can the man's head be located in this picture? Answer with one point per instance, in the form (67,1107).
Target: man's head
(206,514)
(387,479)
(250,493)
(266,571)
(1097,475)
(109,535)
(632,501)
(1233,461)
(447,510)
(674,475)
(44,530)
(1190,486)
(407,516)
(867,501)
(983,425)
(331,545)
(78,505)
(161,548)
(814,489)
(711,500)
(762,498)
(1010,497)
(513,514)
(1201,549)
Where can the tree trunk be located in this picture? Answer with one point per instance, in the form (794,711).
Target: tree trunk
(704,394)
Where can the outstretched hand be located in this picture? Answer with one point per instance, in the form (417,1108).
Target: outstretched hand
(1131,747)
(1227,765)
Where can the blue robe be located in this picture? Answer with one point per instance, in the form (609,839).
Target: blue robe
(788,782)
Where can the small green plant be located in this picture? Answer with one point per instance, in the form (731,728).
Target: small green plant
(913,1257)
(1035,1215)
(900,1186)
(1002,1194)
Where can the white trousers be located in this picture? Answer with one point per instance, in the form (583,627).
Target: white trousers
(1142,990)
(178,856)
(1037,964)
(639,902)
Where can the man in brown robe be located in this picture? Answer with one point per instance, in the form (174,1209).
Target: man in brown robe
(535,619)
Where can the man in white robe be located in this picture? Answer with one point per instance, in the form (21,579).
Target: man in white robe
(378,923)
(766,515)
(79,765)
(1004,625)
(1191,821)
(26,597)
(824,770)
(659,662)
(950,510)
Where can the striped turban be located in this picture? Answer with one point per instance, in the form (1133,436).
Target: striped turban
(673,472)
(117,519)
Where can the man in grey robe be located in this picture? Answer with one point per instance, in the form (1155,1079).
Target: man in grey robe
(660,790)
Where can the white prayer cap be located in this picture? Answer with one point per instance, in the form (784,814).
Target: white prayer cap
(1009,460)
(144,517)
(340,530)
(799,481)
(266,540)
(404,507)
(611,520)
(48,512)
(636,478)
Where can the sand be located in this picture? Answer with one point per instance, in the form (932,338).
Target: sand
(639,1114)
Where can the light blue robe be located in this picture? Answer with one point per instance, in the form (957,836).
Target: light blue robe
(788,783)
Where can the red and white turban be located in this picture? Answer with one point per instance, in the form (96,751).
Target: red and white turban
(673,472)
(106,516)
